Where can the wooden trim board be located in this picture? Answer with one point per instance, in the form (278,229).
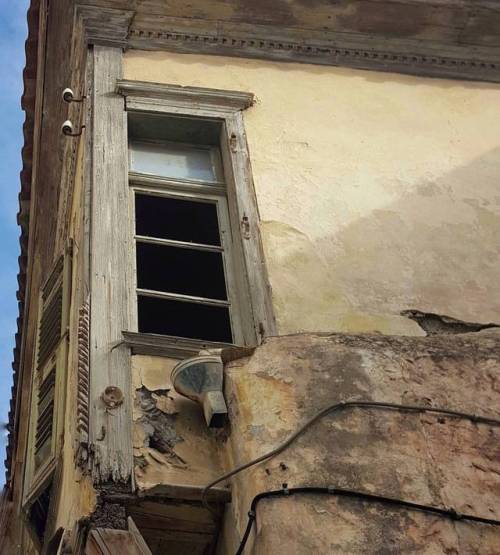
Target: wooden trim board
(371,51)
(110,429)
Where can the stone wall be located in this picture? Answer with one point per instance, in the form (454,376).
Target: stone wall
(423,458)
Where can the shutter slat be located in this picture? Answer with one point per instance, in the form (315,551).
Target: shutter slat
(50,326)
(48,288)
(45,419)
(49,335)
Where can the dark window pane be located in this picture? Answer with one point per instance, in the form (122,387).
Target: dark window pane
(178,270)
(181,319)
(178,219)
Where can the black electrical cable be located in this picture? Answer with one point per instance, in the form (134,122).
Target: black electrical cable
(337,407)
(331,490)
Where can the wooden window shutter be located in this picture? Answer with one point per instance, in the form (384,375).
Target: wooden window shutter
(49,328)
(48,386)
(45,418)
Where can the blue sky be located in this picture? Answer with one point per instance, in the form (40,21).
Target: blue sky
(13,30)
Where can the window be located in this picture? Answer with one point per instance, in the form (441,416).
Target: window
(193,228)
(187,261)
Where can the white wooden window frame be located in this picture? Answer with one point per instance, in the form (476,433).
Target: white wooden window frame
(226,250)
(251,310)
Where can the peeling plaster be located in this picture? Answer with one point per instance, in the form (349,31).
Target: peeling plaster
(438,324)
(172,445)
(158,426)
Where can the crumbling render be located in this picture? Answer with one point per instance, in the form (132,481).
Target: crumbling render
(158,425)
(111,509)
(109,515)
(438,324)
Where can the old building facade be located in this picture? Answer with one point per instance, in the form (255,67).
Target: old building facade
(258,279)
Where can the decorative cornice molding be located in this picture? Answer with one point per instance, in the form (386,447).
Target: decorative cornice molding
(197,36)
(413,57)
(186,96)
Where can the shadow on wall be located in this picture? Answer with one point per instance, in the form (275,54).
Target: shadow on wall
(435,249)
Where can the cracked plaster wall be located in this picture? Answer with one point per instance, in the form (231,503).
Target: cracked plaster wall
(377,192)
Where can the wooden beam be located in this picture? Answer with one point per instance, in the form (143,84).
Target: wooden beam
(110,428)
(445,54)
(104,541)
(166,345)
(187,96)
(105,26)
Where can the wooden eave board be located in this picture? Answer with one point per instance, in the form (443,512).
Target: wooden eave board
(445,21)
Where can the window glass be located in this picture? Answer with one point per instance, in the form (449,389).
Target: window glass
(172,160)
(177,219)
(184,319)
(178,270)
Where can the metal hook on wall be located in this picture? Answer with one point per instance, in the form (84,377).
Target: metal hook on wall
(69,96)
(68,129)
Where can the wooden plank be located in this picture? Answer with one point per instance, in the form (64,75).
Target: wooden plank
(104,541)
(105,26)
(184,96)
(95,544)
(166,345)
(139,540)
(182,298)
(241,195)
(466,51)
(75,112)
(179,244)
(190,492)
(62,545)
(110,429)
(165,184)
(87,177)
(183,515)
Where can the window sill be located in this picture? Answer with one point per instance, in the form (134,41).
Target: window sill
(167,346)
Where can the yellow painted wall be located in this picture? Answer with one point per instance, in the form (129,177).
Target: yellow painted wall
(377,192)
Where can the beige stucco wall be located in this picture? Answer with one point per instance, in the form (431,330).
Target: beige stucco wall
(377,192)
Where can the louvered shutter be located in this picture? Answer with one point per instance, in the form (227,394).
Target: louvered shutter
(45,418)
(49,329)
(47,402)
